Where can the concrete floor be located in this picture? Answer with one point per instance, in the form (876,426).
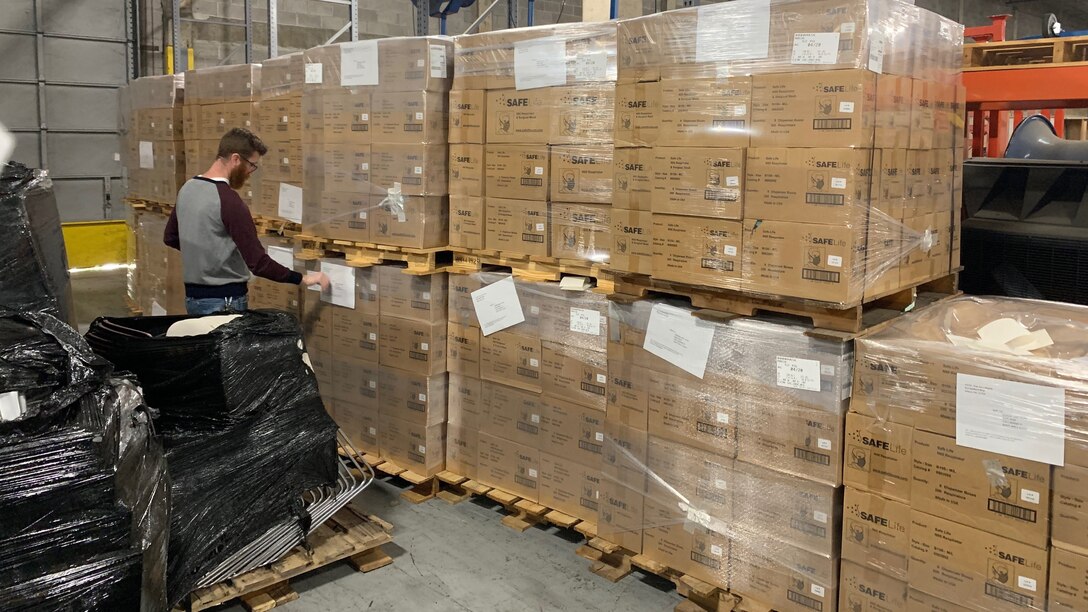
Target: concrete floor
(446,557)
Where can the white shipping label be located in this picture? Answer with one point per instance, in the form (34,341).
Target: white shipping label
(147,155)
(815,48)
(827,370)
(602,379)
(283,256)
(359,63)
(676,336)
(535,418)
(439,68)
(372,336)
(12,406)
(419,116)
(1011,418)
(733,31)
(838,182)
(590,67)
(373,384)
(417,170)
(585,321)
(290,202)
(532,473)
(795,373)
(846,107)
(598,436)
(364,166)
(534,362)
(730,250)
(876,52)
(536,309)
(540,63)
(1028,584)
(116,157)
(424,346)
(732,181)
(722,418)
(848,28)
(715,550)
(372,431)
(364,116)
(834,261)
(823,444)
(817,590)
(497,306)
(1029,496)
(819,517)
(720,484)
(422,449)
(539,228)
(341,284)
(538,170)
(422,397)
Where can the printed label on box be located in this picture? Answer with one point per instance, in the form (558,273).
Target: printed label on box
(540,63)
(290,202)
(359,63)
(815,48)
(1011,418)
(283,256)
(439,69)
(497,306)
(585,321)
(676,336)
(341,284)
(720,38)
(795,373)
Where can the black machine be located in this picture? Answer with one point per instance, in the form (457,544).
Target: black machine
(1025,228)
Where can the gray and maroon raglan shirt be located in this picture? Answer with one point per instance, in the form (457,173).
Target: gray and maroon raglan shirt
(214,231)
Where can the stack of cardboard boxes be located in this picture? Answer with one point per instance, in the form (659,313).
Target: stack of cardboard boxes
(377,342)
(730,473)
(277,119)
(527,402)
(787,149)
(264,293)
(155,284)
(376,145)
(152,138)
(531,116)
(966,461)
(218,99)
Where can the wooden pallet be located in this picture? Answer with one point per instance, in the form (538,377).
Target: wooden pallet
(613,562)
(348,536)
(1026,53)
(520,513)
(423,487)
(847,321)
(162,208)
(267,226)
(364,254)
(528,267)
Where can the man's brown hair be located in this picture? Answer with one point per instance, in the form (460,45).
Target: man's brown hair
(240,141)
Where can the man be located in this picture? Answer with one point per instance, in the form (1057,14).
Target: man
(214,231)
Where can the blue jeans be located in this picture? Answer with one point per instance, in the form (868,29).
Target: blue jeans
(207,306)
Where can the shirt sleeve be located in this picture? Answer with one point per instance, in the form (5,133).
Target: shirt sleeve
(239,224)
(170,237)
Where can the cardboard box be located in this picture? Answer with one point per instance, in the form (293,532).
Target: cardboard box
(509,466)
(628,394)
(893,98)
(360,425)
(413,397)
(466,401)
(409,117)
(467,170)
(512,359)
(414,222)
(463,345)
(979,570)
(340,216)
(786,578)
(637,119)
(572,431)
(279,118)
(358,384)
(697,250)
(892,183)
(418,169)
(462,450)
(519,116)
(805,442)
(620,517)
(574,374)
(467,116)
(283,161)
(800,512)
(569,486)
(344,117)
(418,448)
(919,187)
(416,346)
(409,296)
(955,482)
(637,45)
(689,548)
(415,63)
(581,174)
(517,171)
(785,113)
(459,297)
(581,231)
(924,602)
(282,75)
(512,414)
(878,456)
(825,186)
(467,222)
(632,182)
(518,226)
(698,181)
(1068,581)
(802,260)
(684,410)
(863,589)
(355,336)
(923,120)
(876,533)
(705,112)
(632,243)
(343,168)
(235,83)
(583,114)
(1070,508)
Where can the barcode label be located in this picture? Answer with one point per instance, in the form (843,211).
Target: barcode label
(823,276)
(360,127)
(846,44)
(417,406)
(712,495)
(830,199)
(525,482)
(421,305)
(532,238)
(589,446)
(531,182)
(587,503)
(702,559)
(712,429)
(804,600)
(1004,594)
(413,127)
(805,454)
(412,180)
(708,263)
(809,528)
(832,124)
(528,373)
(721,194)
(1024,514)
(528,428)
(728,124)
(592,388)
(417,355)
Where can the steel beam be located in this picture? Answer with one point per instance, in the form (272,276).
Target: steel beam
(273,28)
(511,14)
(39,35)
(180,55)
(248,7)
(423,19)
(354,17)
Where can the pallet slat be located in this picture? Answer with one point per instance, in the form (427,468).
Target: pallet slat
(1032,52)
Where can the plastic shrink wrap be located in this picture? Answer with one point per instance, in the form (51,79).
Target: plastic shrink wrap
(242,424)
(35,263)
(83,488)
(153,149)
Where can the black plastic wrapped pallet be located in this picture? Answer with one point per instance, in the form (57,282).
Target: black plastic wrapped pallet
(83,494)
(242,423)
(33,260)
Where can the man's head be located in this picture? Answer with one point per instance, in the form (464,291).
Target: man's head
(240,151)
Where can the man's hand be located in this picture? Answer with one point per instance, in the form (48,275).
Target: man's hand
(316,278)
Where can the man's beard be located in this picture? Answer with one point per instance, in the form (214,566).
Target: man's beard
(238,176)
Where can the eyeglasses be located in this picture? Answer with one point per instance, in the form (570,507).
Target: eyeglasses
(252,165)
